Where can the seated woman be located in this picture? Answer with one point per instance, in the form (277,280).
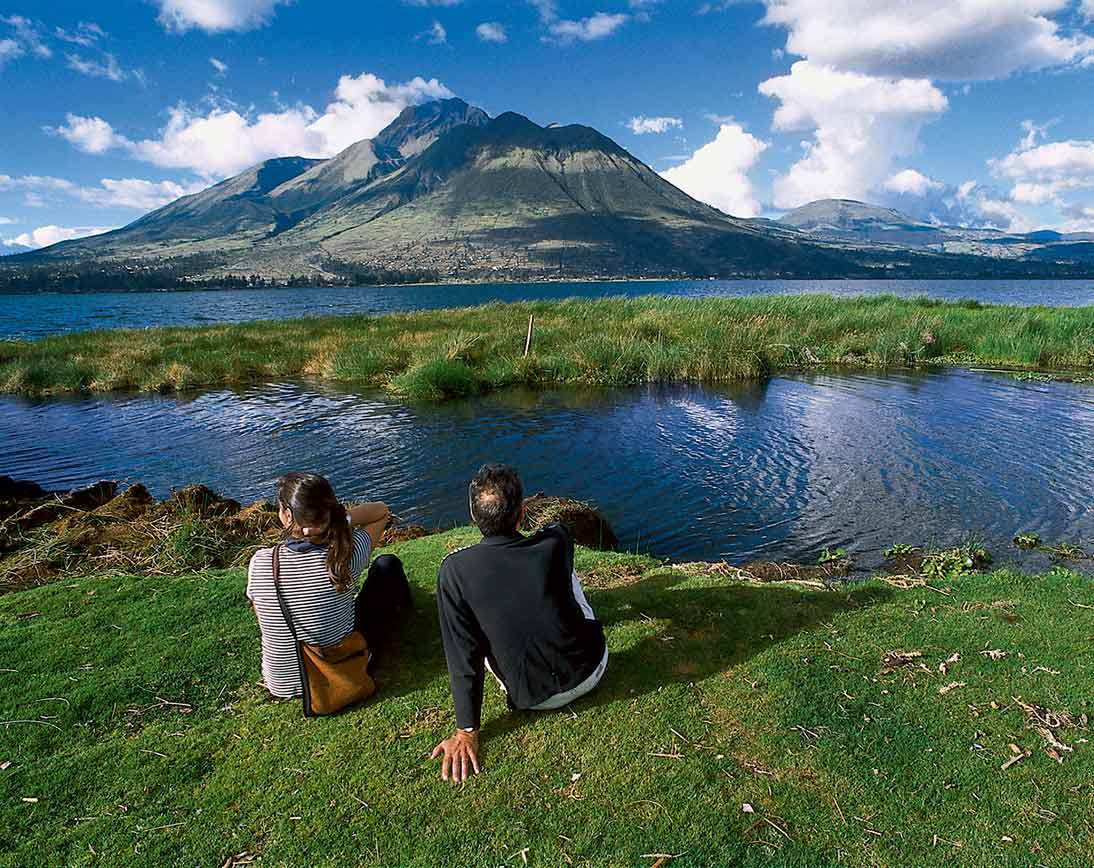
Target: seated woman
(327,550)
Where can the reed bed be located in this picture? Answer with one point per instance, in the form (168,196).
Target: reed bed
(610,342)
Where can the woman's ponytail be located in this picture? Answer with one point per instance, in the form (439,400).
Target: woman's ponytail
(339,548)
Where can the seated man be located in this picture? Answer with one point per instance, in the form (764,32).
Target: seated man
(513,604)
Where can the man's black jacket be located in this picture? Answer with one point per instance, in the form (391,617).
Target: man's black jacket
(515,600)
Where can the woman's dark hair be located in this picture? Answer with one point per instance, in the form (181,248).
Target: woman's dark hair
(496,496)
(310,500)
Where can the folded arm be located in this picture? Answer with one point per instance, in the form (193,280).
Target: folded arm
(370,517)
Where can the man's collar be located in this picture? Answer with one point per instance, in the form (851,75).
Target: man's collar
(502,539)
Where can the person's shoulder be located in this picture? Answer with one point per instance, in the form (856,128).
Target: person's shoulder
(261,560)
(555,531)
(454,558)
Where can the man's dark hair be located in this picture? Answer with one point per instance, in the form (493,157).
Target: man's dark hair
(496,496)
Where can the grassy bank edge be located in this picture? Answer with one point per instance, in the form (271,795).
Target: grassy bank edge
(615,341)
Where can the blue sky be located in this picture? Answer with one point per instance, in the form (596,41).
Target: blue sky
(968,111)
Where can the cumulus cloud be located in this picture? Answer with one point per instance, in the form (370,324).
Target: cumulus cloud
(215,16)
(717,173)
(860,124)
(1039,174)
(223,141)
(912,182)
(867,83)
(956,40)
(492,31)
(92,135)
(598,26)
(641,125)
(566,31)
(44,236)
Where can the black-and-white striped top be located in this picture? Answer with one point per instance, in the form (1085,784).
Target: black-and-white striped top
(320,614)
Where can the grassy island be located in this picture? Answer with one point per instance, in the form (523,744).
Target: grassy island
(893,722)
(615,341)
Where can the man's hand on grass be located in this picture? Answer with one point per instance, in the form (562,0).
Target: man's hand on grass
(459,756)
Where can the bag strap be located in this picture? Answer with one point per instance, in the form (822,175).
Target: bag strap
(305,693)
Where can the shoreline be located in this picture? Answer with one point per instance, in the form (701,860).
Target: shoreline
(612,341)
(108,527)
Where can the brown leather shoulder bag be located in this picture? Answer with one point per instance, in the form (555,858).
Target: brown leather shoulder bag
(332,677)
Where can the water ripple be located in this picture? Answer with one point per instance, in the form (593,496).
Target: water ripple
(775,470)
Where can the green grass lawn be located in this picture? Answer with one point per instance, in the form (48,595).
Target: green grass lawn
(615,341)
(152,744)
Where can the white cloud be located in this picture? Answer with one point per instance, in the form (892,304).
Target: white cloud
(598,26)
(912,183)
(493,31)
(860,124)
(1087,9)
(866,86)
(133,193)
(215,16)
(564,31)
(717,173)
(27,36)
(44,236)
(87,33)
(219,65)
(136,193)
(8,221)
(436,34)
(91,135)
(224,141)
(939,39)
(9,50)
(642,125)
(107,68)
(1039,174)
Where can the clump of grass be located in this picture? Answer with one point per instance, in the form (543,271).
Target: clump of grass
(614,341)
(1061,551)
(1030,540)
(829,555)
(953,563)
(437,379)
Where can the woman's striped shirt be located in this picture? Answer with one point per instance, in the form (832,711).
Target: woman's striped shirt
(320,614)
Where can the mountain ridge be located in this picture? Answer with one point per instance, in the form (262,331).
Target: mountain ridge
(445,190)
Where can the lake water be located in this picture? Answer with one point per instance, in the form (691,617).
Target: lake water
(777,469)
(34,316)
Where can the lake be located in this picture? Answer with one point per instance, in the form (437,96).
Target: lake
(774,470)
(37,315)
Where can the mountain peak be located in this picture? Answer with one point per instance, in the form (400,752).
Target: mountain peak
(843,214)
(419,126)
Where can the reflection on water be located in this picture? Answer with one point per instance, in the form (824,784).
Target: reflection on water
(777,469)
(37,315)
